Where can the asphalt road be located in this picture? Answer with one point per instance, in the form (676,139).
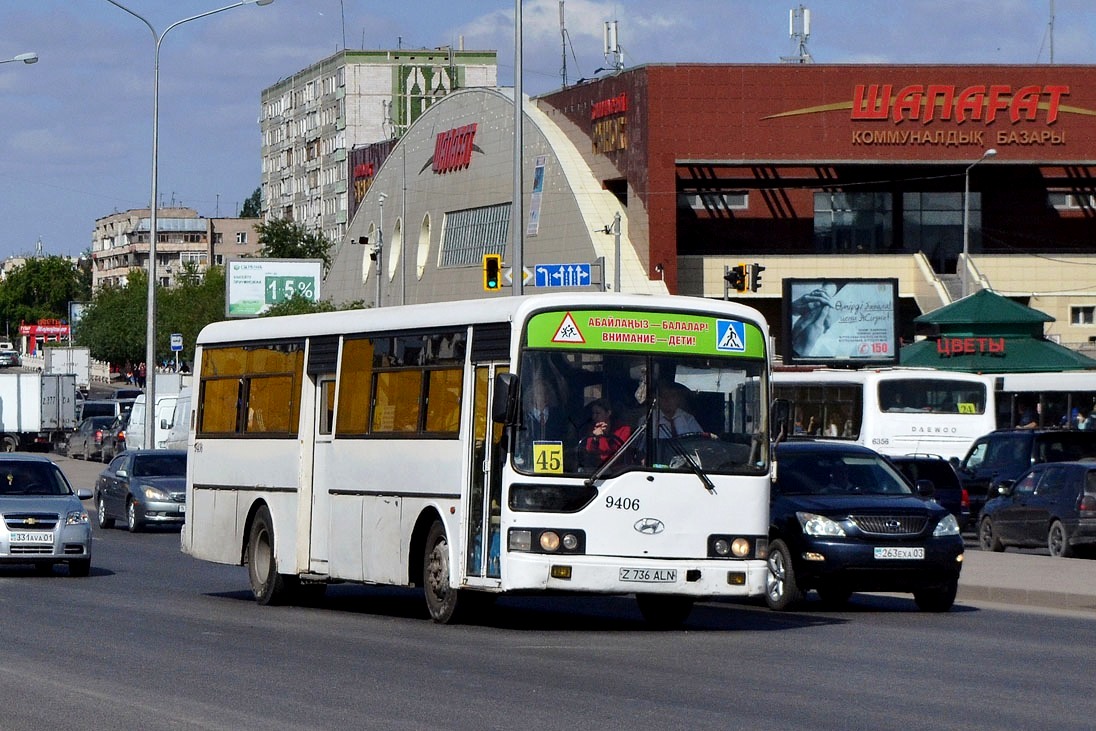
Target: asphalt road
(156,640)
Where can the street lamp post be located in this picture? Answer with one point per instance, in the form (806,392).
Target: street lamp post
(150,326)
(27,58)
(380,245)
(966,217)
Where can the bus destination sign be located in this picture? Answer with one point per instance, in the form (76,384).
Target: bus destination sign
(643,331)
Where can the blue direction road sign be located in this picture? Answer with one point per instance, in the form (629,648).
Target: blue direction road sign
(562,275)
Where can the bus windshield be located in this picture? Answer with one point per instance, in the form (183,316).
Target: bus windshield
(583,409)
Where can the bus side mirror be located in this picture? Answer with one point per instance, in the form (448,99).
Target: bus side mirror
(504,401)
(780,419)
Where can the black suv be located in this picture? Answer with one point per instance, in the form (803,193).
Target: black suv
(1008,453)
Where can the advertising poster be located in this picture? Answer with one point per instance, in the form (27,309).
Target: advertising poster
(840,321)
(254,285)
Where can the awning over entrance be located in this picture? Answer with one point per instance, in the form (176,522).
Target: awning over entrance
(988,333)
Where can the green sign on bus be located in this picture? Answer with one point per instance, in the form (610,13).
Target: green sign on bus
(640,331)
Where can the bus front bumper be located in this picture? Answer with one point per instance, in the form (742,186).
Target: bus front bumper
(615,575)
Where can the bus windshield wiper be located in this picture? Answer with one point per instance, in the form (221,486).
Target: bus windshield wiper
(687,458)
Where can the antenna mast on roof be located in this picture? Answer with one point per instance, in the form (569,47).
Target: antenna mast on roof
(563,43)
(799,28)
(614,56)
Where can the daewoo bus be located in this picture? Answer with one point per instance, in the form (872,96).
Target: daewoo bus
(891,410)
(410,446)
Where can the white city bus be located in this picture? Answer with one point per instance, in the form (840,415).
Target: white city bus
(892,410)
(1052,399)
(396,446)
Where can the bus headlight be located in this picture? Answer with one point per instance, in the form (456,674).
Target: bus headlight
(723,546)
(521,540)
(546,540)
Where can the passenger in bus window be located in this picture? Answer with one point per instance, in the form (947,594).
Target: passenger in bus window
(798,427)
(836,426)
(545,420)
(605,436)
(1027,419)
(673,419)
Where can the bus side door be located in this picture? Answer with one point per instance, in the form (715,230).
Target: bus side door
(482,508)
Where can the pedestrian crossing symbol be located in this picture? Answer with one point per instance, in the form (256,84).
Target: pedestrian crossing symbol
(730,336)
(568,331)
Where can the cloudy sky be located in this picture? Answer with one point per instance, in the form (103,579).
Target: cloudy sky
(76,127)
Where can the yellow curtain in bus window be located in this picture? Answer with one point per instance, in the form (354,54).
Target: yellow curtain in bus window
(548,458)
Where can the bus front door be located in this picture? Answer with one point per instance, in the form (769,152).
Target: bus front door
(482,509)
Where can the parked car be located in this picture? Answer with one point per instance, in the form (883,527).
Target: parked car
(87,441)
(1006,454)
(843,519)
(947,490)
(8,358)
(114,439)
(143,487)
(44,523)
(1052,505)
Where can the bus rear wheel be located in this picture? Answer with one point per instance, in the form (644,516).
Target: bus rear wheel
(442,600)
(268,586)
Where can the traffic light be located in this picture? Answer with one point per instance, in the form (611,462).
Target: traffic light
(755,276)
(492,272)
(736,277)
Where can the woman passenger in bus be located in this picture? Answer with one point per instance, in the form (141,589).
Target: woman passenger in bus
(604,437)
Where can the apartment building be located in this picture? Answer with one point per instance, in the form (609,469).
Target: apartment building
(120,243)
(312,120)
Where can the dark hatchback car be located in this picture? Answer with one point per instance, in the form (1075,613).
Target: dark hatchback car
(87,441)
(946,488)
(143,487)
(842,519)
(1052,505)
(1006,454)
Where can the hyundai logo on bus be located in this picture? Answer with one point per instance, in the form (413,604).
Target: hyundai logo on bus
(649,526)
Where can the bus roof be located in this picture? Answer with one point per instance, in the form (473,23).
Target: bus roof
(455,313)
(865,375)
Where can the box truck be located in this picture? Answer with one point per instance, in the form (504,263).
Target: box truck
(36,410)
(69,359)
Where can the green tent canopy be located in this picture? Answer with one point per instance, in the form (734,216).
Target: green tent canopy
(988,333)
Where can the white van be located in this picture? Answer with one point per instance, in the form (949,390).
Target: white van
(179,425)
(162,419)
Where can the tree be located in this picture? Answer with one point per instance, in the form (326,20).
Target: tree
(253,206)
(113,325)
(285,239)
(41,289)
(301,305)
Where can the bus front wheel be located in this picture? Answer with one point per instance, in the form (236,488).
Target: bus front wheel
(441,598)
(268,586)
